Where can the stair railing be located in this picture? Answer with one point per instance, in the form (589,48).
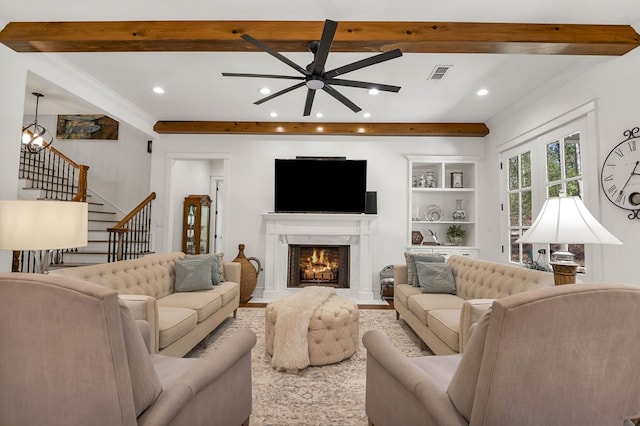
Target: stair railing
(131,237)
(52,172)
(58,178)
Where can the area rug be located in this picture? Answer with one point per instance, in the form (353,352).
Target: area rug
(322,396)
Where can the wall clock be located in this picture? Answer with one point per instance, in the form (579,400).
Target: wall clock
(620,177)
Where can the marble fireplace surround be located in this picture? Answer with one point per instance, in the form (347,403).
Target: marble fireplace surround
(353,230)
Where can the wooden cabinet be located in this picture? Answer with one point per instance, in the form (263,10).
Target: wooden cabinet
(195,227)
(442,193)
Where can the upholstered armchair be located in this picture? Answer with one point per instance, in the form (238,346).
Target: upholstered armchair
(72,354)
(566,355)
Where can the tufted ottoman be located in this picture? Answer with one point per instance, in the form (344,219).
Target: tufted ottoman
(333,330)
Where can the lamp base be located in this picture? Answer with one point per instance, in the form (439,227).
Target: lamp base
(42,260)
(564,272)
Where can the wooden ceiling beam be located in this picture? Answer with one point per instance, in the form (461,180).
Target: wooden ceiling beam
(334,129)
(294,36)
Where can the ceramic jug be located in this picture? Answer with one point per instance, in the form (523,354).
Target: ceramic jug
(248,274)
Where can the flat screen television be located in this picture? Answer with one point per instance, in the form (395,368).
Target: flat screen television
(320,185)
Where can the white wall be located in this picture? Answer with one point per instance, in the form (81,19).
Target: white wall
(119,170)
(249,183)
(13,76)
(614,85)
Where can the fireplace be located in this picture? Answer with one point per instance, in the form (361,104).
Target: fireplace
(350,230)
(321,265)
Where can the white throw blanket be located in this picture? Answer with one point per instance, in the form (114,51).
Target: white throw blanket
(291,345)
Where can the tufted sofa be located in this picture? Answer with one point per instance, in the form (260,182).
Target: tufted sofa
(179,321)
(443,321)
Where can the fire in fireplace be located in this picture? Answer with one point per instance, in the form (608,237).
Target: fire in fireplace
(324,265)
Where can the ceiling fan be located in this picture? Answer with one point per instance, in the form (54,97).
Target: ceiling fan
(315,77)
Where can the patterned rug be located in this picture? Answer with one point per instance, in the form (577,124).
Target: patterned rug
(324,396)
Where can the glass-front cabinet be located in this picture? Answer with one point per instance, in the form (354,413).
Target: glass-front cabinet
(195,228)
(442,205)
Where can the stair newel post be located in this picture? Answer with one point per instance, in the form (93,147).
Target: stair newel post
(82,183)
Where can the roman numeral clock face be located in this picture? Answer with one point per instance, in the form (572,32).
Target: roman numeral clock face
(620,177)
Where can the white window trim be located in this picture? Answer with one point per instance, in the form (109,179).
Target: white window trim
(582,119)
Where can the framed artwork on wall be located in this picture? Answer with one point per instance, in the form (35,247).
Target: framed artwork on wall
(87,126)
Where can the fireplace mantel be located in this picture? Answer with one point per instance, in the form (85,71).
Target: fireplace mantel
(354,230)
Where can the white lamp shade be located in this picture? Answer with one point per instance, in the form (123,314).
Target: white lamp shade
(566,220)
(42,225)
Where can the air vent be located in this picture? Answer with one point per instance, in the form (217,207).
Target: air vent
(439,71)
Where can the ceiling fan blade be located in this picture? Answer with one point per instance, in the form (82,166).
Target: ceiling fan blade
(320,57)
(275,54)
(392,54)
(339,96)
(281,92)
(363,85)
(239,74)
(309,102)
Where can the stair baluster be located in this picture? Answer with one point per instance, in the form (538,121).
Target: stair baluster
(59,178)
(130,238)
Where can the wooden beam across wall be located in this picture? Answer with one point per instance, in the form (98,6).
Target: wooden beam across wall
(294,36)
(334,129)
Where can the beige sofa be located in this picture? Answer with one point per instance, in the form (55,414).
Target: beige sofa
(443,321)
(179,321)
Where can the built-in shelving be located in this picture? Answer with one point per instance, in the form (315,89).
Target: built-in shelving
(434,195)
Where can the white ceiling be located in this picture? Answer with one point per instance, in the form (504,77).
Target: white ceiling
(196,90)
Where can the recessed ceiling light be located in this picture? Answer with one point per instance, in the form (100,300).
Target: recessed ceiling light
(279,129)
(265,90)
(320,129)
(366,115)
(482,92)
(273,114)
(318,115)
(361,130)
(373,92)
(159,90)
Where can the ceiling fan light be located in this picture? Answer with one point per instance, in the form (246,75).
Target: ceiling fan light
(482,92)
(265,91)
(273,114)
(315,84)
(319,115)
(366,115)
(373,91)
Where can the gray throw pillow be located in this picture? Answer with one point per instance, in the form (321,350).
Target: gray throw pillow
(220,257)
(193,273)
(411,258)
(215,270)
(435,277)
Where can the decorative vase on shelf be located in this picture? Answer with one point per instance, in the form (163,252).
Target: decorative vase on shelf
(458,213)
(248,274)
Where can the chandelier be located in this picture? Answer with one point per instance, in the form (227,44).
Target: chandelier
(35,137)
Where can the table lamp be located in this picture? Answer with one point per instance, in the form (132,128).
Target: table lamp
(42,226)
(566,220)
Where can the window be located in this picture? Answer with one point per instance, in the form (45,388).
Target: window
(564,173)
(538,166)
(519,206)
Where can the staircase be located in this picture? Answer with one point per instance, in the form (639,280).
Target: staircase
(102,216)
(50,175)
